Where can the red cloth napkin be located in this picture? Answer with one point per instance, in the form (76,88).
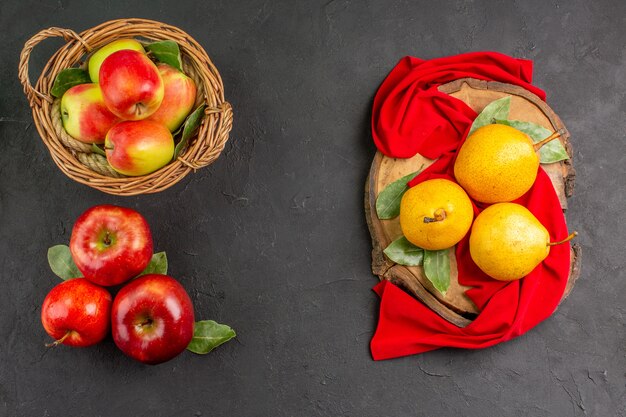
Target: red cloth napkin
(409,116)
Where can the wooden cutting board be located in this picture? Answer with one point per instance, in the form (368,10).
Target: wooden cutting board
(455,306)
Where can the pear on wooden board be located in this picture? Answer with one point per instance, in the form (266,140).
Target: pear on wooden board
(507,241)
(498,163)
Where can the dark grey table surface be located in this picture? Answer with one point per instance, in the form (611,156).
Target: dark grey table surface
(272,240)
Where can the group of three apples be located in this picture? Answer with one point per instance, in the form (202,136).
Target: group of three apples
(132,106)
(151,318)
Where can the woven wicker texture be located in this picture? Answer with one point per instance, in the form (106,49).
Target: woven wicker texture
(75,158)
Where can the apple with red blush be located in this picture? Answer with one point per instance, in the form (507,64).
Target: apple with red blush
(131,84)
(138,147)
(84,115)
(98,57)
(76,313)
(111,244)
(178,99)
(152,319)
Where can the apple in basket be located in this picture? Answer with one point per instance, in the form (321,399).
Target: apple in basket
(84,115)
(178,100)
(111,244)
(131,85)
(95,61)
(152,319)
(138,147)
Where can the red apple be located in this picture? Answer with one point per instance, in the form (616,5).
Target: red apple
(111,244)
(76,313)
(178,100)
(131,85)
(84,115)
(98,57)
(138,147)
(152,319)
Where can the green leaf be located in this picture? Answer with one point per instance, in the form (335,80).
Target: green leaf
(67,79)
(166,52)
(61,262)
(497,109)
(96,149)
(403,252)
(207,335)
(553,151)
(157,265)
(189,128)
(388,201)
(437,268)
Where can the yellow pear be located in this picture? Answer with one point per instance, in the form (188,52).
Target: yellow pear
(507,241)
(498,163)
(435,214)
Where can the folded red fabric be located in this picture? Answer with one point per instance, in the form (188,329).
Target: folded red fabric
(409,116)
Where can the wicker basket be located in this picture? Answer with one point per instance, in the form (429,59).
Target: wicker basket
(74,158)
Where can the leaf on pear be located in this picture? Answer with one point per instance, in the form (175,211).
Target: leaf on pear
(437,268)
(496,110)
(388,201)
(166,52)
(207,335)
(192,123)
(403,252)
(67,79)
(157,265)
(553,151)
(62,263)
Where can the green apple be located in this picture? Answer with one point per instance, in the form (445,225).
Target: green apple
(138,147)
(178,99)
(84,115)
(101,54)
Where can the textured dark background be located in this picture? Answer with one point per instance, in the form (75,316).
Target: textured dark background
(272,240)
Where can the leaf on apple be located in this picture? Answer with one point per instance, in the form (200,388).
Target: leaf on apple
(207,335)
(67,79)
(157,265)
(192,123)
(62,263)
(166,52)
(96,149)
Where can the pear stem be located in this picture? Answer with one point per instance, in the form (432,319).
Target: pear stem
(60,341)
(440,214)
(553,136)
(567,239)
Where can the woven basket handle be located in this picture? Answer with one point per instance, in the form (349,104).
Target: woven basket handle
(225,124)
(34,96)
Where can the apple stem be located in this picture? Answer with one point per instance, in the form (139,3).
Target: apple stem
(440,214)
(567,239)
(553,136)
(60,341)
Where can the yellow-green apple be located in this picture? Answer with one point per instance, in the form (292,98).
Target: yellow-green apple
(138,147)
(95,61)
(76,313)
(84,115)
(131,85)
(111,244)
(152,319)
(178,99)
